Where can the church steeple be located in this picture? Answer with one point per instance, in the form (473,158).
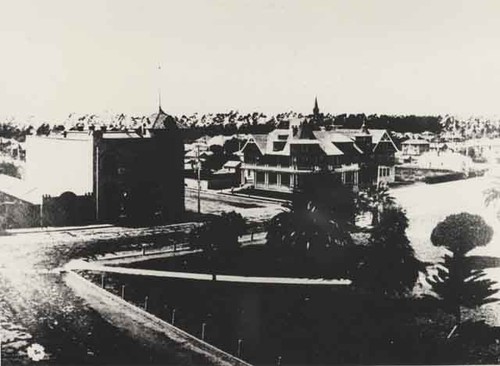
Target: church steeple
(317,116)
(316,108)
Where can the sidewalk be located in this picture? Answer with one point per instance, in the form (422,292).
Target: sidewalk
(93,266)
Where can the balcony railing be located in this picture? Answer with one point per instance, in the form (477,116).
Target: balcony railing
(347,168)
(300,169)
(278,169)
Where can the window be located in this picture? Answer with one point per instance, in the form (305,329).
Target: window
(285,180)
(278,145)
(349,178)
(384,171)
(260,177)
(273,178)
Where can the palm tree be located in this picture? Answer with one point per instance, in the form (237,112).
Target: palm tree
(492,196)
(375,199)
(320,217)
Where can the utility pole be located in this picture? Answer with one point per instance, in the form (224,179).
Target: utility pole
(199,176)
(97,182)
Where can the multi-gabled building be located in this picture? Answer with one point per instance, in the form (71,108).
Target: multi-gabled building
(279,160)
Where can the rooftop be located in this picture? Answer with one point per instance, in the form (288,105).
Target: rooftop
(20,189)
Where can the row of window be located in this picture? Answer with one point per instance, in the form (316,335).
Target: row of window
(280,179)
(384,171)
(302,160)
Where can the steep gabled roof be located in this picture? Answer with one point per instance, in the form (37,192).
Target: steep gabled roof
(261,141)
(379,136)
(258,139)
(162,121)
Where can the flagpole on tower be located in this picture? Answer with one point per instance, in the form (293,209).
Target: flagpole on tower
(159,86)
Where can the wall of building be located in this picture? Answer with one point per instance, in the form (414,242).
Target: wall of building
(58,165)
(15,213)
(140,179)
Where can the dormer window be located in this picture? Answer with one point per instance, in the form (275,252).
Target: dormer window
(278,145)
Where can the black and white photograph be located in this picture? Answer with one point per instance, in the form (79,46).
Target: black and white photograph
(249,182)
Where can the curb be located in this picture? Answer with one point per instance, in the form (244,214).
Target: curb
(86,266)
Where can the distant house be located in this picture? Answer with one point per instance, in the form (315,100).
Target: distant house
(427,135)
(108,176)
(414,147)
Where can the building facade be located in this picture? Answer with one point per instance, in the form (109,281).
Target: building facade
(132,177)
(277,161)
(414,147)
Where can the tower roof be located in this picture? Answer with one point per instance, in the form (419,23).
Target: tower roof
(162,120)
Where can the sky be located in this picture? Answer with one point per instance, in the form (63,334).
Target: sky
(357,56)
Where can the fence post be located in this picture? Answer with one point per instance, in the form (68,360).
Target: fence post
(203,326)
(143,249)
(103,274)
(173,317)
(146,303)
(240,343)
(123,291)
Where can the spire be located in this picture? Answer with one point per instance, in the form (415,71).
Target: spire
(317,116)
(316,108)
